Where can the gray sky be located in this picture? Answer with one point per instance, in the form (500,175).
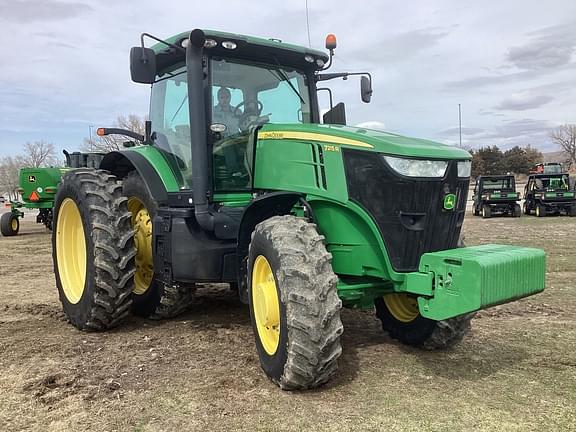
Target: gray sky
(511,64)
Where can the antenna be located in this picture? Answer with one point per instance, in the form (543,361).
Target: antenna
(308,25)
(460,123)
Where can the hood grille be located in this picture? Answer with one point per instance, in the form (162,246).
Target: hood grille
(408,211)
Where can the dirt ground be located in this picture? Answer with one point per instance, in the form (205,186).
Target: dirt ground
(516,371)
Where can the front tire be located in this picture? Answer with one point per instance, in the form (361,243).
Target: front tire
(517,210)
(151,298)
(540,210)
(402,321)
(294,303)
(93,249)
(486,211)
(9,224)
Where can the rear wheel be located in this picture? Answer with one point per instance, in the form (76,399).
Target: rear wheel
(526,209)
(9,224)
(486,211)
(294,304)
(93,249)
(151,298)
(475,210)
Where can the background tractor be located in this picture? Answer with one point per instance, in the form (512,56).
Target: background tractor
(496,195)
(300,214)
(38,187)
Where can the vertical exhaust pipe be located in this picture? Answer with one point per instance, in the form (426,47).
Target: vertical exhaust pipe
(198,132)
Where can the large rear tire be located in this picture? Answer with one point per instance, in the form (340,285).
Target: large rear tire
(93,249)
(9,224)
(151,298)
(294,303)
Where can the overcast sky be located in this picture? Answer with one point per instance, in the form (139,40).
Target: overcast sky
(510,64)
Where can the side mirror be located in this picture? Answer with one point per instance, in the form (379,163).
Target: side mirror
(365,89)
(142,65)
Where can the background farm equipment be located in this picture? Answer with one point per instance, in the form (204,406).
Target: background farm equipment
(38,187)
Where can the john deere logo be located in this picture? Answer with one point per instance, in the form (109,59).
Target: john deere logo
(32,179)
(449,202)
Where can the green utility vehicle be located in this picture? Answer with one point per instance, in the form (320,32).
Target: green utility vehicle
(496,195)
(38,187)
(546,194)
(301,218)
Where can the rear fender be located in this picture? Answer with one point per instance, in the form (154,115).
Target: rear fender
(150,164)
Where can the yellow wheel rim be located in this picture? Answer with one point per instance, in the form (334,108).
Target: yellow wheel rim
(14,224)
(142,224)
(266,305)
(71,251)
(402,307)
(538,211)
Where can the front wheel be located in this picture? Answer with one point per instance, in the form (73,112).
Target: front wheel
(540,210)
(517,211)
(9,224)
(486,211)
(401,318)
(294,304)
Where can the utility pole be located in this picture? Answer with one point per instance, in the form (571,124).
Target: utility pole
(90,131)
(460,123)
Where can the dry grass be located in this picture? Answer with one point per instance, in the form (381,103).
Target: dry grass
(515,372)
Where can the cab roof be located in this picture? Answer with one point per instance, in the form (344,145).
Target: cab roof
(247,47)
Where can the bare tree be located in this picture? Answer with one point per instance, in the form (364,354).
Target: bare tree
(110,143)
(565,138)
(39,154)
(9,168)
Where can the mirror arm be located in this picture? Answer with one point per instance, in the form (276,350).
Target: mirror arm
(117,131)
(329,76)
(168,44)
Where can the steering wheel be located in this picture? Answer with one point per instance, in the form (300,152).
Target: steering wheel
(253,111)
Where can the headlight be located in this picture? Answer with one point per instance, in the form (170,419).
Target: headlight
(417,167)
(464,168)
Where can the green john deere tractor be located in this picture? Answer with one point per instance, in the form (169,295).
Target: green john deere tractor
(300,216)
(38,187)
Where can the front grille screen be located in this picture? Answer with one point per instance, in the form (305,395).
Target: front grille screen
(410,212)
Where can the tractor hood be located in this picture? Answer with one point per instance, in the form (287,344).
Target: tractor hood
(362,138)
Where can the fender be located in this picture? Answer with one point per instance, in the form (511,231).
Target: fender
(149,166)
(262,208)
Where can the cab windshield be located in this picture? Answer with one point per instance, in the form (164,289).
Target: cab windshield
(246,95)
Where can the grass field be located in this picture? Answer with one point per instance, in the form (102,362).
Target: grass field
(516,371)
